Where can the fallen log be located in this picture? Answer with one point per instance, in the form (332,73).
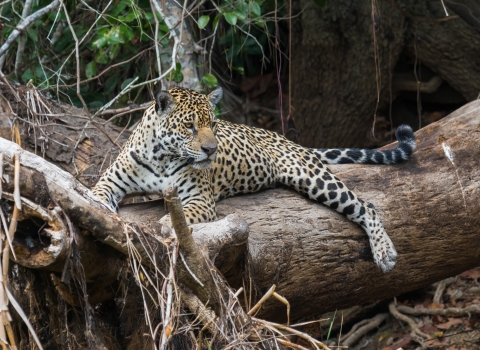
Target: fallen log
(318,259)
(429,207)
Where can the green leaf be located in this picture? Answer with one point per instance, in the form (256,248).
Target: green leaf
(119,8)
(129,17)
(111,83)
(32,34)
(149,16)
(58,16)
(177,76)
(240,70)
(144,36)
(240,15)
(103,31)
(203,21)
(241,6)
(65,41)
(218,112)
(231,18)
(27,75)
(215,21)
(101,57)
(331,325)
(39,72)
(113,52)
(95,104)
(255,9)
(163,28)
(241,10)
(99,41)
(320,3)
(210,80)
(260,22)
(80,31)
(125,83)
(126,33)
(91,69)
(114,36)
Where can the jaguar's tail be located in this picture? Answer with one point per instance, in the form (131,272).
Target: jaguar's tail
(406,145)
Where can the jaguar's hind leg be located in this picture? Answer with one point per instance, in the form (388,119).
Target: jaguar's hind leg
(309,176)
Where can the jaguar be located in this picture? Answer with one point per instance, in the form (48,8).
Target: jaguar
(180,143)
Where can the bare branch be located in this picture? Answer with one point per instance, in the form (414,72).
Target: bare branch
(25,23)
(77,57)
(157,52)
(417,334)
(370,324)
(107,69)
(452,311)
(27,9)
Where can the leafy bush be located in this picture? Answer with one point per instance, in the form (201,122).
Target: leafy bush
(116,44)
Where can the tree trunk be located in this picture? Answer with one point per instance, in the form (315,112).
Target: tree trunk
(450,48)
(317,258)
(344,55)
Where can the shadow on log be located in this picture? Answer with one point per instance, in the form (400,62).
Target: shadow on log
(317,258)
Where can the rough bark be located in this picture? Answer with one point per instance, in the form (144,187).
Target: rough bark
(176,18)
(320,261)
(344,55)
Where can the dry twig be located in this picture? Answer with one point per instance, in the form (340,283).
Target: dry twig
(77,57)
(267,295)
(451,311)
(437,298)
(416,334)
(27,9)
(316,343)
(362,328)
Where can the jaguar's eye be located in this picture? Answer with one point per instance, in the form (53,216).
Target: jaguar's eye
(188,125)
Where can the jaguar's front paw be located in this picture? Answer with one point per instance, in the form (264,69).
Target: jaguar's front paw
(384,254)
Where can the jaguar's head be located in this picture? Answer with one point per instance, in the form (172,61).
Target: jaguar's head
(189,126)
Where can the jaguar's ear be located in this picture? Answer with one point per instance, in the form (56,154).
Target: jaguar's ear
(164,101)
(215,96)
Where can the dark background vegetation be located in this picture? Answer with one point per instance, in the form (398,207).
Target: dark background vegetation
(325,73)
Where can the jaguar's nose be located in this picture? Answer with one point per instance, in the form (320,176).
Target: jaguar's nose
(209,150)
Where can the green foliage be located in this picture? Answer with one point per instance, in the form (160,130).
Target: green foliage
(209,80)
(246,33)
(116,45)
(203,21)
(231,18)
(331,325)
(126,28)
(91,69)
(176,74)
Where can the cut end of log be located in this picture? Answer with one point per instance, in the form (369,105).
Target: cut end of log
(48,246)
